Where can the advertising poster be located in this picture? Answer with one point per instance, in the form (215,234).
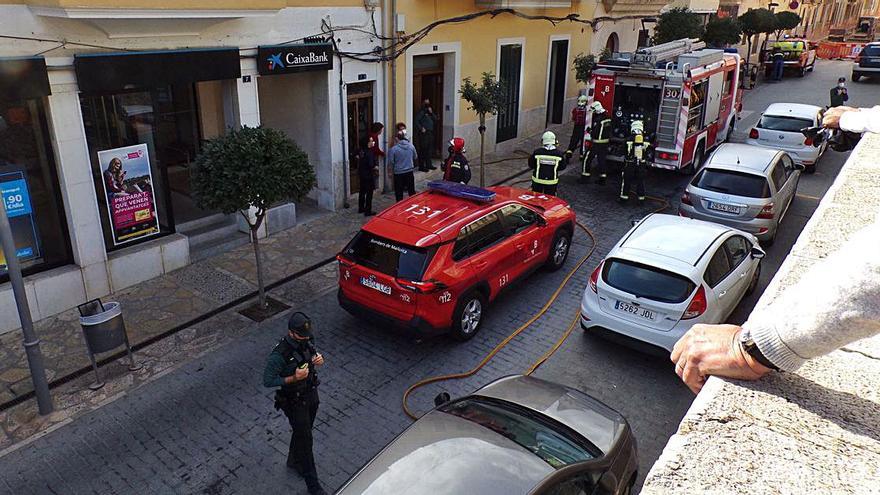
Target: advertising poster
(14,189)
(128,185)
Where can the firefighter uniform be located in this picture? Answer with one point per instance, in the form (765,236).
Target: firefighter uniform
(600,136)
(546,162)
(635,164)
(456,167)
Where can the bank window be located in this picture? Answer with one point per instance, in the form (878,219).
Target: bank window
(142,144)
(29,186)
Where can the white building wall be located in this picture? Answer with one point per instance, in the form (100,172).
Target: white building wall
(627,32)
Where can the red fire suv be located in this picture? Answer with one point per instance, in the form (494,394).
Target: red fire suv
(434,261)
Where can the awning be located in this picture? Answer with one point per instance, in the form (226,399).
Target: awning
(634,7)
(23,78)
(131,70)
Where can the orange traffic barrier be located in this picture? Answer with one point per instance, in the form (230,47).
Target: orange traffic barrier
(838,50)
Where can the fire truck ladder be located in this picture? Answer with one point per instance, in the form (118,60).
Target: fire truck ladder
(667,122)
(651,56)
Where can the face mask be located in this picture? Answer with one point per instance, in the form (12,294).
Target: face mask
(841,85)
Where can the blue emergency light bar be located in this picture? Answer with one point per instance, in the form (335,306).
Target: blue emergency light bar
(463,191)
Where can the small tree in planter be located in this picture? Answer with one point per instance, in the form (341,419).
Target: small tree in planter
(676,24)
(753,23)
(251,167)
(786,20)
(585,64)
(487,98)
(722,32)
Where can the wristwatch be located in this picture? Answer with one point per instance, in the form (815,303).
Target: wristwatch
(751,348)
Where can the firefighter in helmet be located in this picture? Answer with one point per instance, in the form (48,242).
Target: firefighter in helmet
(579,118)
(546,162)
(600,136)
(635,164)
(456,167)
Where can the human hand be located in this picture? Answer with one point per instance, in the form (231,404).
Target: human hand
(301,374)
(707,350)
(318,360)
(831,119)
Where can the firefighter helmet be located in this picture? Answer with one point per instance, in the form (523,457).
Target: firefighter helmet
(457,145)
(549,139)
(597,107)
(637,127)
(582,100)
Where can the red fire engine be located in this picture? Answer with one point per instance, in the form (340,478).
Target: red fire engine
(687,96)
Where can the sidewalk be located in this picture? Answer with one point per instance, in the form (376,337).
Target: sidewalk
(156,311)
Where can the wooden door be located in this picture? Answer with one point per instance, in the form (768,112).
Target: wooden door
(509,72)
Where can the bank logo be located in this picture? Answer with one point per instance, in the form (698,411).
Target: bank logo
(275,61)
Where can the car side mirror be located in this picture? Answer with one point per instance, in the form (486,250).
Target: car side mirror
(799,166)
(442,398)
(757,253)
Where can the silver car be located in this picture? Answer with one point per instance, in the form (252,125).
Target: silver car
(517,435)
(745,187)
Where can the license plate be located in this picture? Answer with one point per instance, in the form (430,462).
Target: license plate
(371,283)
(635,310)
(723,207)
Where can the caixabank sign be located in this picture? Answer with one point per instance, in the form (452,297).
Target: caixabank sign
(289,59)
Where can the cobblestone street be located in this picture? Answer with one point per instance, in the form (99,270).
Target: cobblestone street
(208,426)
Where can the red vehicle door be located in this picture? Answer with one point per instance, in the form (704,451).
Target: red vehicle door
(489,252)
(527,236)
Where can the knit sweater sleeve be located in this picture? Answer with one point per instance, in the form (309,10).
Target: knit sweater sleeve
(863,120)
(834,304)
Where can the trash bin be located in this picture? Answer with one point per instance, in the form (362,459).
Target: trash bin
(103,330)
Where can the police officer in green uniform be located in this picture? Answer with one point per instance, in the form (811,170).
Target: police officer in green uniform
(291,366)
(635,164)
(600,136)
(546,162)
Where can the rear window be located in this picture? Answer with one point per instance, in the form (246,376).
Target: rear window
(532,431)
(784,124)
(870,51)
(647,281)
(388,257)
(732,182)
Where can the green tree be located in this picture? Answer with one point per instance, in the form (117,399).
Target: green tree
(585,64)
(251,167)
(722,32)
(487,98)
(676,24)
(786,20)
(753,23)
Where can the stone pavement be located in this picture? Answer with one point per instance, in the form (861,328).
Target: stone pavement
(169,301)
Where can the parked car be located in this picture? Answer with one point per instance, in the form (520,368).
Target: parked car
(434,262)
(867,63)
(667,274)
(517,435)
(780,128)
(800,56)
(745,187)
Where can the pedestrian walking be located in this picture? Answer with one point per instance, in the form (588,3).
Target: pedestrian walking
(600,136)
(425,121)
(291,368)
(545,163)
(839,94)
(403,157)
(455,167)
(778,59)
(579,118)
(368,171)
(635,164)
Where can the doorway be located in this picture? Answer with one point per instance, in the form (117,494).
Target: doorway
(509,75)
(428,73)
(556,83)
(360,116)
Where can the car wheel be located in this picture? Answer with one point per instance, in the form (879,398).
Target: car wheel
(754,283)
(558,250)
(810,169)
(769,242)
(699,158)
(468,315)
(855,77)
(802,72)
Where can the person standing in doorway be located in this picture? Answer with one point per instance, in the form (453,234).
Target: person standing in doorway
(291,367)
(839,95)
(368,171)
(375,133)
(425,120)
(403,158)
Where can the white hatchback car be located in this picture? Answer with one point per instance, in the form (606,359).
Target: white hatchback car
(780,128)
(667,274)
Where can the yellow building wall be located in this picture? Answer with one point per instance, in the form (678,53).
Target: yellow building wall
(479,40)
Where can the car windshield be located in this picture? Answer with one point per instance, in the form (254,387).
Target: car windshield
(732,182)
(647,281)
(527,428)
(388,257)
(784,124)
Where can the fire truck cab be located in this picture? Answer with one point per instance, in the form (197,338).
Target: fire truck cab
(687,96)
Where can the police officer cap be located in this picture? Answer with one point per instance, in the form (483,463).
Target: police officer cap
(301,324)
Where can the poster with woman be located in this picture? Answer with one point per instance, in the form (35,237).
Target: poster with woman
(128,186)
